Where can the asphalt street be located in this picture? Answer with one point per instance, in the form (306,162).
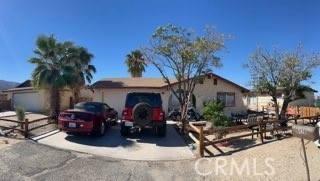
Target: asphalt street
(28,160)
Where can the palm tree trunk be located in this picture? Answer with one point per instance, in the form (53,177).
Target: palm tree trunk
(54,102)
(136,74)
(76,95)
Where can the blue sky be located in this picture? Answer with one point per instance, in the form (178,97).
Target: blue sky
(111,29)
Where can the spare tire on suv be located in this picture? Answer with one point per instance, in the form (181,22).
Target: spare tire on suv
(142,110)
(142,114)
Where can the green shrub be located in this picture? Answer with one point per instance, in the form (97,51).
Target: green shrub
(213,112)
(21,112)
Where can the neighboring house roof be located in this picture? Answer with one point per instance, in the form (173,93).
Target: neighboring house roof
(26,83)
(280,90)
(130,82)
(18,89)
(25,86)
(142,82)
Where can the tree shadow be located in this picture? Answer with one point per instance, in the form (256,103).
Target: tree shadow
(242,143)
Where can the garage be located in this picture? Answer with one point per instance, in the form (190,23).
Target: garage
(32,101)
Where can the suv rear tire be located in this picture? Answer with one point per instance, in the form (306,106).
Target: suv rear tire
(142,114)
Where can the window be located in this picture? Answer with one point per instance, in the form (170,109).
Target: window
(252,100)
(227,98)
(215,81)
(106,107)
(200,80)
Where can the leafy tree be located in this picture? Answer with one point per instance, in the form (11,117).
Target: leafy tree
(179,52)
(286,72)
(80,58)
(136,63)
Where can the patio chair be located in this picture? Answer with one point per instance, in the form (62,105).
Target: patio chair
(253,120)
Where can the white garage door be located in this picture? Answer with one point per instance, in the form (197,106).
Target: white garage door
(31,101)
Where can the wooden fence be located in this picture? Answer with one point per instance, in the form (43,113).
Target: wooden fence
(3,97)
(25,125)
(306,112)
(202,141)
(5,105)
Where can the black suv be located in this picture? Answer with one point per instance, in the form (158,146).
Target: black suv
(143,109)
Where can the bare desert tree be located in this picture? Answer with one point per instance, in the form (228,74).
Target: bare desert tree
(287,71)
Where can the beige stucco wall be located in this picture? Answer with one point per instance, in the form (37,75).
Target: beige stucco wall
(88,93)
(44,98)
(264,101)
(65,99)
(203,93)
(208,91)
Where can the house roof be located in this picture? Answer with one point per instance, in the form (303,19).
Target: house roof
(18,89)
(280,90)
(230,82)
(142,82)
(130,82)
(26,83)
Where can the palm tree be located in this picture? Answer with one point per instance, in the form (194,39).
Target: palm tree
(136,64)
(51,73)
(80,59)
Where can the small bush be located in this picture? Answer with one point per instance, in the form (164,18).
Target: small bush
(213,112)
(21,112)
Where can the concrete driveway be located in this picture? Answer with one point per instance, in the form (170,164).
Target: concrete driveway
(138,146)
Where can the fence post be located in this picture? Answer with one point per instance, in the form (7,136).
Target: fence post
(26,127)
(201,142)
(261,128)
(296,119)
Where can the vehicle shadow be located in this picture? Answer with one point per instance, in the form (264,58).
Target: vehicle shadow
(114,139)
(172,139)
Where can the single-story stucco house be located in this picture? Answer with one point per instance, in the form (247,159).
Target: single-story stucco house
(37,100)
(113,92)
(257,101)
